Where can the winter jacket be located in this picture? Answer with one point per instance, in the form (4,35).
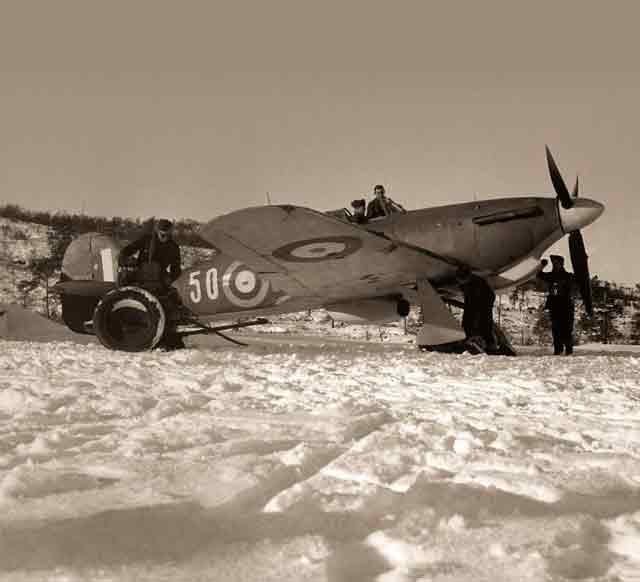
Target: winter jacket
(561,285)
(383,207)
(479,298)
(151,249)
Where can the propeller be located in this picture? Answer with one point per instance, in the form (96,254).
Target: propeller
(558,183)
(580,264)
(577,250)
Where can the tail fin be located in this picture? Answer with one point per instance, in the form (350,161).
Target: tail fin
(89,270)
(91,257)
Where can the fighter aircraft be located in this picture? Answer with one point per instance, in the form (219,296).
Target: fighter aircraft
(284,258)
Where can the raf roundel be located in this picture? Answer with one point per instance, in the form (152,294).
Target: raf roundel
(241,286)
(318,249)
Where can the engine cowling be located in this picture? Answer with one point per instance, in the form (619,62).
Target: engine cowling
(367,311)
(129,319)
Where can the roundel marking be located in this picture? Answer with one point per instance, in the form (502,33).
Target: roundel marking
(318,249)
(242,288)
(246,281)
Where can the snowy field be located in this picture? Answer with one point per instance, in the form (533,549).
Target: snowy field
(338,461)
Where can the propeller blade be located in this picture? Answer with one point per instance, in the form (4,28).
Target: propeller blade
(580,263)
(576,188)
(558,183)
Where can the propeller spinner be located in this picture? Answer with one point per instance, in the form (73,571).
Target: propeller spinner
(575,213)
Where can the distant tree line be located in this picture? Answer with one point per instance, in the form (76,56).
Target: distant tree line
(616,315)
(185,230)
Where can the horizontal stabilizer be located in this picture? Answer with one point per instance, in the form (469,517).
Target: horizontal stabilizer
(439,326)
(86,288)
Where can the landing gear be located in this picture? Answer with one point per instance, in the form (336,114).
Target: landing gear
(133,319)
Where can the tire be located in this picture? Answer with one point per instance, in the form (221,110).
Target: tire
(129,319)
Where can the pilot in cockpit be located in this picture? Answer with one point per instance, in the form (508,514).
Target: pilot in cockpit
(358,215)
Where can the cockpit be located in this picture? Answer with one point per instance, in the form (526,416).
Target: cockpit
(358,214)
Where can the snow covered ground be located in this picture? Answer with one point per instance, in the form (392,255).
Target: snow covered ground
(317,460)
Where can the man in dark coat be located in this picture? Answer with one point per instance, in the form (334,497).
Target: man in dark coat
(156,248)
(158,264)
(560,284)
(477,319)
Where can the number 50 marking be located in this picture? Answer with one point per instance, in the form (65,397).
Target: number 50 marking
(210,285)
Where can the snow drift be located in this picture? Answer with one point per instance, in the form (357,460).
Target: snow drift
(17,323)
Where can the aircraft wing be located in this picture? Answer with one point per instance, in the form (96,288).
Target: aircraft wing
(306,252)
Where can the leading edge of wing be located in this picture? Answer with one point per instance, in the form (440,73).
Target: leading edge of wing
(317,250)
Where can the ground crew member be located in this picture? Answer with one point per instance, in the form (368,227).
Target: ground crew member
(560,304)
(477,319)
(158,264)
(156,247)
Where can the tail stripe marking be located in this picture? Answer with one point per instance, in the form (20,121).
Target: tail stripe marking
(108,270)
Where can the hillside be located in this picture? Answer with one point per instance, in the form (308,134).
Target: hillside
(22,242)
(19,243)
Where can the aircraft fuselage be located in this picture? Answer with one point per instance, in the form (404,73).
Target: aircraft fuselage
(503,239)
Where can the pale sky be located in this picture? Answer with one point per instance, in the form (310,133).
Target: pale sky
(193,109)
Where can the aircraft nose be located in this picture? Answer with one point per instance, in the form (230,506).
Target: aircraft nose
(582,213)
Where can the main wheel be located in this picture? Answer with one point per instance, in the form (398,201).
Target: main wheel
(129,319)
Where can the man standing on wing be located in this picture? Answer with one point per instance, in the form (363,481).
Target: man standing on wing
(382,205)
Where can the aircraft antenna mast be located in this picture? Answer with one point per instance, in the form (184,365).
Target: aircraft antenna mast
(268,199)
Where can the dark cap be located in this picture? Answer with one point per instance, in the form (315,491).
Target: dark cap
(557,258)
(358,202)
(379,187)
(164,224)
